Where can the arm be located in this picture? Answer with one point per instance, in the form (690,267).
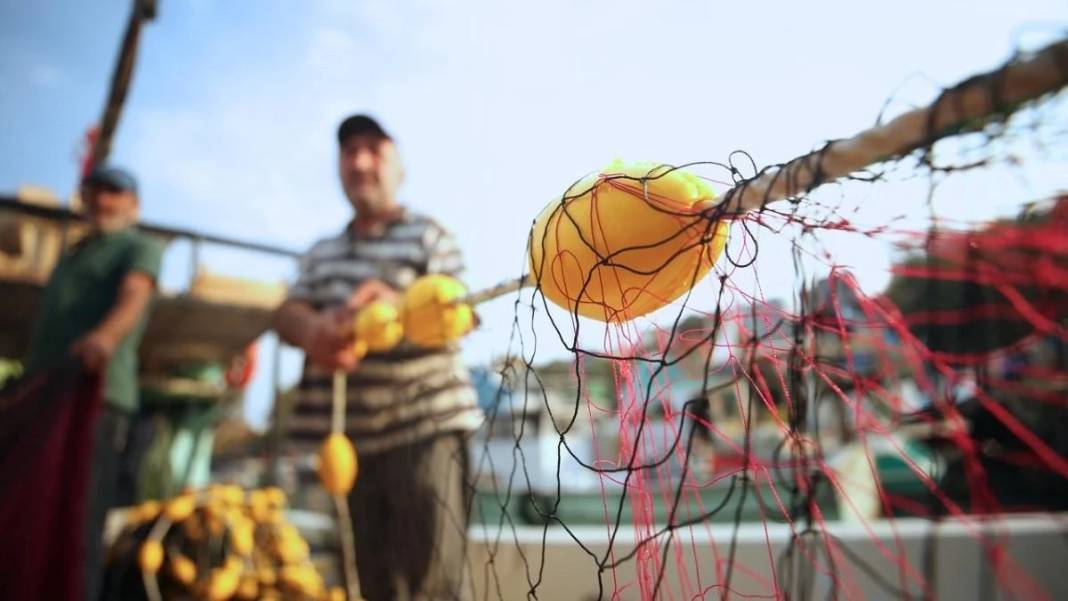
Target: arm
(95,348)
(293,320)
(324,336)
(327,337)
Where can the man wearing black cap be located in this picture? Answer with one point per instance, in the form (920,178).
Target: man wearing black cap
(95,307)
(408,410)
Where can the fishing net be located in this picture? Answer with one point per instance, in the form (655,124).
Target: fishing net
(840,385)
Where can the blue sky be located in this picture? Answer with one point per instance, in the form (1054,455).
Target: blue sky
(497,106)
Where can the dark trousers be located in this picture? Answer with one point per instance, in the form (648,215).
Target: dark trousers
(109,439)
(409,512)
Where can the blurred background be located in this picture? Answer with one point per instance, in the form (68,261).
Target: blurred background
(230,120)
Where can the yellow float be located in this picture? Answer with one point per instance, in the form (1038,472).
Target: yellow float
(625,241)
(378,328)
(432,313)
(150,556)
(337,464)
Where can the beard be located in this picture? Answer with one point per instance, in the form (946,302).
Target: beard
(372,203)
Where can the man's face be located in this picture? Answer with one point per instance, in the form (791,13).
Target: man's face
(110,209)
(371,172)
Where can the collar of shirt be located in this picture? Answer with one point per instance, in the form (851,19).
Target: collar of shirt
(376,228)
(95,235)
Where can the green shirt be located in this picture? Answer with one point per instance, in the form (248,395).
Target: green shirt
(81,292)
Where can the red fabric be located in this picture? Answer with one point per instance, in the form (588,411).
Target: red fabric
(86,159)
(46,432)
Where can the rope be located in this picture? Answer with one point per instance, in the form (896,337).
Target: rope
(348,547)
(341,505)
(961,107)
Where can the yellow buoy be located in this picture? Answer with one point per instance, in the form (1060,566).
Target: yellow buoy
(625,241)
(180,507)
(183,569)
(302,579)
(291,549)
(276,497)
(259,506)
(378,328)
(150,556)
(145,512)
(232,494)
(266,576)
(337,464)
(242,536)
(248,588)
(432,317)
(223,582)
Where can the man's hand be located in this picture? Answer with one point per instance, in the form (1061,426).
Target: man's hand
(369,292)
(328,337)
(94,350)
(328,343)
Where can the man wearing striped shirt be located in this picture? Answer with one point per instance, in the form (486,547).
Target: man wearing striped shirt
(408,410)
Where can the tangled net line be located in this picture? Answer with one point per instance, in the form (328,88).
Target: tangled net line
(973,322)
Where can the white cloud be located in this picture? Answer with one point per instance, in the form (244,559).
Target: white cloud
(45,75)
(24,64)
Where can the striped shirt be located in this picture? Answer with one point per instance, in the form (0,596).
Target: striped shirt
(394,398)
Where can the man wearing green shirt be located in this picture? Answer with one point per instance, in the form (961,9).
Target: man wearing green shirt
(95,308)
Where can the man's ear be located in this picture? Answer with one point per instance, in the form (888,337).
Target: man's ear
(401,172)
(136,211)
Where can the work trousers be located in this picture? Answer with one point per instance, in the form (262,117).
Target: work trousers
(409,511)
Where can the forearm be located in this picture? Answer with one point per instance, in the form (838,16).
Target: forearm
(133,300)
(292,321)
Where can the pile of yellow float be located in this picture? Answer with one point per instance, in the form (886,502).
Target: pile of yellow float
(216,544)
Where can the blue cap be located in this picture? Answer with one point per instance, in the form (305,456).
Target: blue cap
(112,177)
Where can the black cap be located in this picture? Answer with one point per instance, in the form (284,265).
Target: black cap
(112,177)
(359,124)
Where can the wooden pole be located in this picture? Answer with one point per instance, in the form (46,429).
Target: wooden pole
(140,11)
